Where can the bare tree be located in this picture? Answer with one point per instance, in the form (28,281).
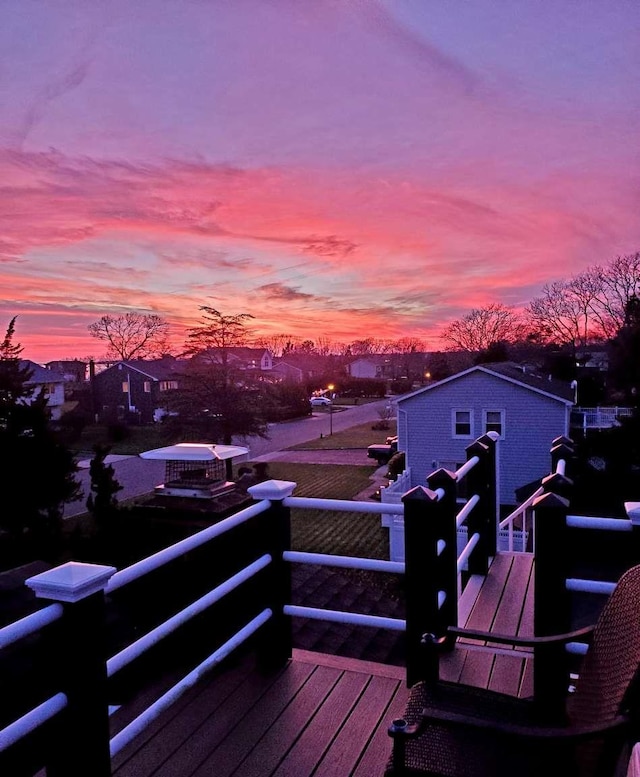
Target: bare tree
(483,327)
(590,306)
(363,347)
(134,335)
(408,345)
(324,346)
(277,344)
(569,312)
(369,346)
(620,284)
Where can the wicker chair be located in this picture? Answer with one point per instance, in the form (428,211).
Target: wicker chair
(461,731)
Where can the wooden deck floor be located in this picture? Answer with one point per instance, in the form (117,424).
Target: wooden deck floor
(322,715)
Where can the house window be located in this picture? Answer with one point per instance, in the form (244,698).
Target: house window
(462,423)
(147,387)
(125,386)
(494,421)
(168,385)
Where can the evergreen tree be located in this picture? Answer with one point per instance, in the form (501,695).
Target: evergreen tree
(102,502)
(36,471)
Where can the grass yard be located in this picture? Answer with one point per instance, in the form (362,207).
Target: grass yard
(355,437)
(138,438)
(339,533)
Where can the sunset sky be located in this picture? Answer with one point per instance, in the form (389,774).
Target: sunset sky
(337,168)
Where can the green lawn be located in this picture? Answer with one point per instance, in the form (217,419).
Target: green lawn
(355,437)
(138,439)
(339,533)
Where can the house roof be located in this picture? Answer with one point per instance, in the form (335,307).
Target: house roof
(371,358)
(284,365)
(40,374)
(304,362)
(512,373)
(156,369)
(246,352)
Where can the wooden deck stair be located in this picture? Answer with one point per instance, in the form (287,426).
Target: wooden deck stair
(501,602)
(322,715)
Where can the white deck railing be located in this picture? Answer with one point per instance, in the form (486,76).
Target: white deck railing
(599,417)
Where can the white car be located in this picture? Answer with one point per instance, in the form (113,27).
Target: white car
(320,401)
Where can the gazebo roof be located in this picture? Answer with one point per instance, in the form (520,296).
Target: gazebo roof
(192,451)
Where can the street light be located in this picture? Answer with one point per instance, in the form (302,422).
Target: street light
(330,388)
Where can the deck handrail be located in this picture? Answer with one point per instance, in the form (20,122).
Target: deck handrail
(32,720)
(346,562)
(30,624)
(151,638)
(140,723)
(162,557)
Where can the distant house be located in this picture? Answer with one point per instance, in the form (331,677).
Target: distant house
(300,367)
(251,360)
(74,371)
(366,367)
(53,384)
(283,370)
(593,359)
(136,388)
(438,422)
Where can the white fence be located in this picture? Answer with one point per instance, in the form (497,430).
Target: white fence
(599,417)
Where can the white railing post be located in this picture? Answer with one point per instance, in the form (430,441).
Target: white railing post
(81,745)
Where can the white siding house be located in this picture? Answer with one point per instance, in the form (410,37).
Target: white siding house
(438,422)
(365,367)
(52,382)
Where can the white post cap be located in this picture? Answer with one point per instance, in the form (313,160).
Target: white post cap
(272,489)
(633,511)
(70,582)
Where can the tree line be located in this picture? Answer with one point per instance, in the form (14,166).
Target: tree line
(590,307)
(147,336)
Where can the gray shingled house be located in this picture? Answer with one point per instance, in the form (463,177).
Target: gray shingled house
(438,422)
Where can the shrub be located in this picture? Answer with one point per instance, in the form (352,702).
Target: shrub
(117,431)
(396,465)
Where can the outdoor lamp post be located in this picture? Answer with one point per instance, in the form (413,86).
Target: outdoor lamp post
(330,388)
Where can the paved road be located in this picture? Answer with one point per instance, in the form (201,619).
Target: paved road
(139,476)
(287,434)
